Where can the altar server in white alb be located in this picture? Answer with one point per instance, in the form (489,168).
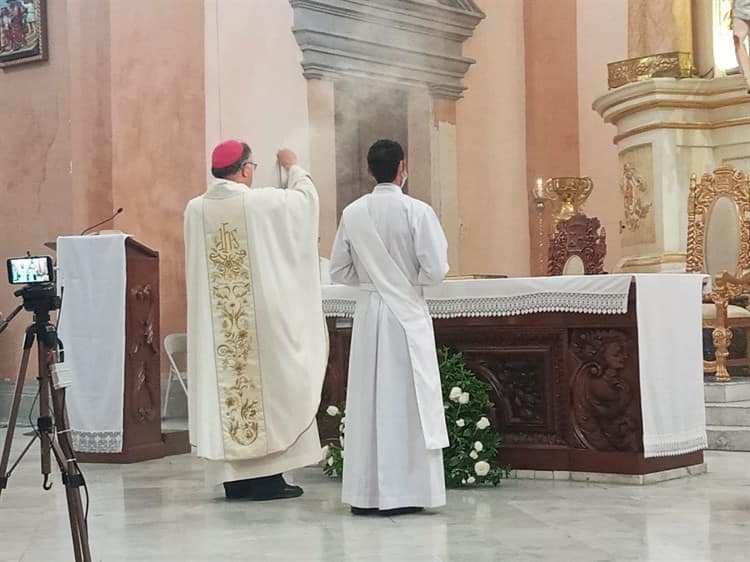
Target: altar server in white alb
(391,246)
(257,346)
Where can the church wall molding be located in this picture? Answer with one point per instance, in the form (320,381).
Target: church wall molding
(415,43)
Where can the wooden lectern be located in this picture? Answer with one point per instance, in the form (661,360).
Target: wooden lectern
(143,438)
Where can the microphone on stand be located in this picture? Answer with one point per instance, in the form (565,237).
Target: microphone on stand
(89,229)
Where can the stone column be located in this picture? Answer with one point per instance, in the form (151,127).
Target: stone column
(433,162)
(659,26)
(322,119)
(445,174)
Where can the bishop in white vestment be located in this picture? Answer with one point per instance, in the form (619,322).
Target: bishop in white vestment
(257,342)
(391,246)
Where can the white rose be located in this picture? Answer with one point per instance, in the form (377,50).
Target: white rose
(460,423)
(471,480)
(478,446)
(464,398)
(330,461)
(463,481)
(326,451)
(482,468)
(341,428)
(483,423)
(474,455)
(333,411)
(343,420)
(341,441)
(455,394)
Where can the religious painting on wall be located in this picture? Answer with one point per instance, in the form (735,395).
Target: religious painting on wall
(23,32)
(637,188)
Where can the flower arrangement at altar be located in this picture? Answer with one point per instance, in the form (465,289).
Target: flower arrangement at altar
(333,453)
(471,458)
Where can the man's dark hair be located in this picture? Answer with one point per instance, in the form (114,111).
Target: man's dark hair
(383,159)
(223,173)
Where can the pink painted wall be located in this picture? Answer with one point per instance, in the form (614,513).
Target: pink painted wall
(602,38)
(254,86)
(552,143)
(158,132)
(35,160)
(491,130)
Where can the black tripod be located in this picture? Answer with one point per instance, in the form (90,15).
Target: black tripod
(52,429)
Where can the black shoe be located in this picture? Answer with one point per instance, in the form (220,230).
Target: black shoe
(401,511)
(237,490)
(285,493)
(266,488)
(364,511)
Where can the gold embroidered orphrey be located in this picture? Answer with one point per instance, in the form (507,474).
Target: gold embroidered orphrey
(633,188)
(235,332)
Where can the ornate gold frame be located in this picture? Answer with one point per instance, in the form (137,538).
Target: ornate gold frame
(735,185)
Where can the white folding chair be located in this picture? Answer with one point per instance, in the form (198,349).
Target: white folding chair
(174,344)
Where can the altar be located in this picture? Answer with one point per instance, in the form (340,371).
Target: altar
(596,374)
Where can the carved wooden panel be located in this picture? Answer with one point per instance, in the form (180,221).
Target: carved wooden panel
(142,421)
(606,414)
(525,370)
(580,236)
(334,386)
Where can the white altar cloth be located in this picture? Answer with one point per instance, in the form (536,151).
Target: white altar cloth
(92,327)
(668,310)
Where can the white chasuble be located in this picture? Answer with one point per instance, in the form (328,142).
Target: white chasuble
(257,341)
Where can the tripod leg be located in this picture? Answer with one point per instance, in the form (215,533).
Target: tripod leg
(12,419)
(45,420)
(66,459)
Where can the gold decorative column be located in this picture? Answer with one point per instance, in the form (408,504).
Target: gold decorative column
(659,26)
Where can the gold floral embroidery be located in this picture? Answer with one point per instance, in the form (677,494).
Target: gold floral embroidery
(231,289)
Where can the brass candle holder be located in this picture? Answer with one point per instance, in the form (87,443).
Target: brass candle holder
(569,193)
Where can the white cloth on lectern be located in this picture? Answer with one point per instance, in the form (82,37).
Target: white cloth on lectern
(670,352)
(92,328)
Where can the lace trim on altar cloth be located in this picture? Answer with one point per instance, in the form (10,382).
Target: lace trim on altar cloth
(672,445)
(97,441)
(468,307)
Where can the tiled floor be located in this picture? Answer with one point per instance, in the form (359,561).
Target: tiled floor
(161,511)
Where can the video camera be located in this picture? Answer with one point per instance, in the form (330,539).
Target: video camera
(37,275)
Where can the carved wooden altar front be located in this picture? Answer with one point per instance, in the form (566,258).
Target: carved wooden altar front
(565,387)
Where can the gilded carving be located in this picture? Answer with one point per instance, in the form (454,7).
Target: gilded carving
(231,290)
(633,191)
(637,188)
(605,407)
(674,65)
(569,193)
(724,182)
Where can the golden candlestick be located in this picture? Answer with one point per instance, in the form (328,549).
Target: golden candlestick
(538,192)
(570,193)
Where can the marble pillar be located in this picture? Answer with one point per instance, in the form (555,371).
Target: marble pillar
(322,116)
(433,162)
(668,129)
